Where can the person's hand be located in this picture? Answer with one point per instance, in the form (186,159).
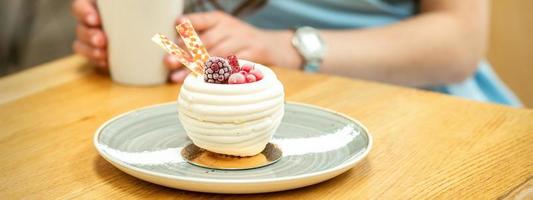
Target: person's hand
(178,72)
(90,40)
(224,35)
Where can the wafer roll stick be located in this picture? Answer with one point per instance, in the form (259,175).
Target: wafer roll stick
(193,42)
(183,57)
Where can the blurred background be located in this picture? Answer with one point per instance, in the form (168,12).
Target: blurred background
(38,31)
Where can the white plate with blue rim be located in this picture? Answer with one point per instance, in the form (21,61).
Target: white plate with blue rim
(317,145)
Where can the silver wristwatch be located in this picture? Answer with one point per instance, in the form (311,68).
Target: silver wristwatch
(310,46)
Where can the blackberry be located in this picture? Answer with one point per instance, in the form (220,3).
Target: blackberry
(217,70)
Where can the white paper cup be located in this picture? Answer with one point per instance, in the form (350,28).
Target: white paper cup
(129,25)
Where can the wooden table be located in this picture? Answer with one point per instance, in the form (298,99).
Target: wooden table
(427,145)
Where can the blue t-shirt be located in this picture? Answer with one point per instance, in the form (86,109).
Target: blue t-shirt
(484,85)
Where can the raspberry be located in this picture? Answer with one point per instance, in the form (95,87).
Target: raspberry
(236,78)
(217,70)
(250,78)
(247,67)
(258,74)
(234,63)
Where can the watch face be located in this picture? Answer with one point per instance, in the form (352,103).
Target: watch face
(311,42)
(311,45)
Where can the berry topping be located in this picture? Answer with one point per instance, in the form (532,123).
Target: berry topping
(234,63)
(217,70)
(257,73)
(250,78)
(237,78)
(247,67)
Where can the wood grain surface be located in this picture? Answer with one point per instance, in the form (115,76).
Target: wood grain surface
(427,145)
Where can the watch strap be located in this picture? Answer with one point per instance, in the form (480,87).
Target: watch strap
(312,66)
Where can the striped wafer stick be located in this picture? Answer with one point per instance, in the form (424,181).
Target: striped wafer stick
(193,42)
(183,57)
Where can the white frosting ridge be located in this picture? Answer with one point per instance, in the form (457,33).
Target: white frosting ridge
(237,119)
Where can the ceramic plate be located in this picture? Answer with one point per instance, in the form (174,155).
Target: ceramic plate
(317,145)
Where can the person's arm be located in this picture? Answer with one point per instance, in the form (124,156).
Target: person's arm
(441,45)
